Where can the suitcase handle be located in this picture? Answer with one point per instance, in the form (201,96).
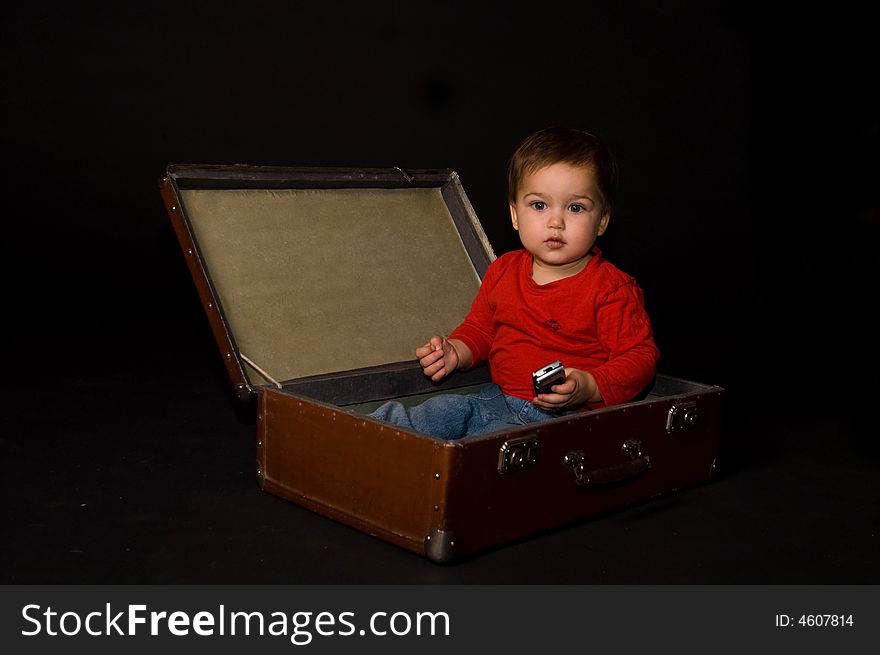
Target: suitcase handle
(611,475)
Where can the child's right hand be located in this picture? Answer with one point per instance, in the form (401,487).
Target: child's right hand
(438,358)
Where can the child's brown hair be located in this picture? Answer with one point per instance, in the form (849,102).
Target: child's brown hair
(555,145)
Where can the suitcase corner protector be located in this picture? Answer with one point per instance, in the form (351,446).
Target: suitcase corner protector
(439,546)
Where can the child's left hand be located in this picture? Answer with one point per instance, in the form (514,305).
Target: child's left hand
(578,389)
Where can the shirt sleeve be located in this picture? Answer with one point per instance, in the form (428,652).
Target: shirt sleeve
(625,332)
(477,331)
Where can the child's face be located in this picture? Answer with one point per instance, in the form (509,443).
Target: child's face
(558,214)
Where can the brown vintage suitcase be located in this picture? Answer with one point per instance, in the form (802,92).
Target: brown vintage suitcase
(319,283)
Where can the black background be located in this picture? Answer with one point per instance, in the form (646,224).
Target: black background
(748,211)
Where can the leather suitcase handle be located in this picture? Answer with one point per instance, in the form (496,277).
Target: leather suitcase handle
(611,475)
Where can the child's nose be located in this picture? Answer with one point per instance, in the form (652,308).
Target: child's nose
(555,219)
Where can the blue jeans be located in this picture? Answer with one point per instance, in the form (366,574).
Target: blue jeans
(453,416)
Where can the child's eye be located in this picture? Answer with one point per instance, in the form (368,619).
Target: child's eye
(576,209)
(538,205)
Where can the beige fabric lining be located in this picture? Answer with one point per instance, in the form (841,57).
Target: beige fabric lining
(315,281)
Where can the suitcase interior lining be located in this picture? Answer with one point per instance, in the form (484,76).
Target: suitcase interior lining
(363,391)
(291,279)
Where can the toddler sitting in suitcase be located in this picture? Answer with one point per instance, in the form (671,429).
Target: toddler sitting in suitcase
(557,298)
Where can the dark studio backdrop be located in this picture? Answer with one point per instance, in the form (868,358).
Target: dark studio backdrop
(747,209)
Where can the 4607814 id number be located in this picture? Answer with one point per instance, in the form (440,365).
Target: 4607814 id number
(814,621)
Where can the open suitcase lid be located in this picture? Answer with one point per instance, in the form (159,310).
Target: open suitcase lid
(308,271)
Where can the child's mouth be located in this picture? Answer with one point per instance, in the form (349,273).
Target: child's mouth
(554,243)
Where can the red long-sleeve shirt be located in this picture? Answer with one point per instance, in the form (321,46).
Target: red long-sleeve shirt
(594,321)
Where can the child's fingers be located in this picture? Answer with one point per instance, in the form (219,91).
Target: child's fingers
(565,388)
(559,396)
(430,358)
(435,371)
(434,344)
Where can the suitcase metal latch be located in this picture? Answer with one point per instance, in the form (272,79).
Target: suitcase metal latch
(682,416)
(518,454)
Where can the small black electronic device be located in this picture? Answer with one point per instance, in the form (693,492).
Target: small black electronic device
(547,376)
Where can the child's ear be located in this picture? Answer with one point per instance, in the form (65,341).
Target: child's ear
(603,222)
(513,218)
